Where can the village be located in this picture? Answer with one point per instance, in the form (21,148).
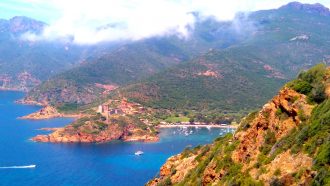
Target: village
(120,107)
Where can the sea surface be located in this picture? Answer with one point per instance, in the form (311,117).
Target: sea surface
(112,163)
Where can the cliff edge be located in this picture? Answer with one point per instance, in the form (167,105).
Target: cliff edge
(287,142)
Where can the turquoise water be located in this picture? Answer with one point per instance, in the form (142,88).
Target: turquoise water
(81,164)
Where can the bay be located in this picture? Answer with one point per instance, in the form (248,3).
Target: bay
(111,163)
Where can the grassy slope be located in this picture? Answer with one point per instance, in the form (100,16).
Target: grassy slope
(133,62)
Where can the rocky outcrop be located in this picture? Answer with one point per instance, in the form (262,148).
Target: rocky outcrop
(286,164)
(310,8)
(278,116)
(273,122)
(49,129)
(92,130)
(210,73)
(144,138)
(30,102)
(71,135)
(175,168)
(47,113)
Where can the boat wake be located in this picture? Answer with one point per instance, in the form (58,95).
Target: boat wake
(19,167)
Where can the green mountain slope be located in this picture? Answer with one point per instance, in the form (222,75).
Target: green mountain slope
(238,71)
(245,75)
(25,64)
(134,61)
(285,143)
(215,80)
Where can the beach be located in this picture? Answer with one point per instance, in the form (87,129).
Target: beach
(197,125)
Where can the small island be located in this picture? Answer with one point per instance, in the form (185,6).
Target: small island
(97,129)
(112,120)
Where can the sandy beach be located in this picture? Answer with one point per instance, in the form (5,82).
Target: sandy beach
(199,125)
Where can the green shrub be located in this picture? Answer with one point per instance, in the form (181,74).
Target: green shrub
(101,126)
(302,116)
(311,83)
(318,93)
(278,112)
(185,153)
(301,86)
(276,182)
(80,122)
(277,172)
(322,177)
(323,156)
(315,73)
(166,182)
(270,137)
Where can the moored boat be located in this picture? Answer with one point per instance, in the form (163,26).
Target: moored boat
(138,153)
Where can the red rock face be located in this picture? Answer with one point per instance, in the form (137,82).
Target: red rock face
(107,88)
(71,135)
(269,119)
(289,102)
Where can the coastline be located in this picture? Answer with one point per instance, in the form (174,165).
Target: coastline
(13,89)
(27,117)
(24,101)
(49,112)
(197,125)
(67,135)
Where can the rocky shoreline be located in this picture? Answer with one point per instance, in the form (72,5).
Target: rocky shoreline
(48,112)
(70,135)
(88,132)
(49,129)
(13,89)
(30,102)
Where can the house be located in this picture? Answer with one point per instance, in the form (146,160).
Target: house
(115,111)
(103,109)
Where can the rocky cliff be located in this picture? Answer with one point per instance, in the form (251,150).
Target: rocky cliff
(287,142)
(97,129)
(48,112)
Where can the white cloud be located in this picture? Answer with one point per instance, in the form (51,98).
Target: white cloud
(136,19)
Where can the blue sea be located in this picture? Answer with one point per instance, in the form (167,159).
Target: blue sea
(112,163)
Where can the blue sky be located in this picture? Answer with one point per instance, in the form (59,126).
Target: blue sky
(41,11)
(133,19)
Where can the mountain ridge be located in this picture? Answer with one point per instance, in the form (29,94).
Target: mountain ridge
(311,8)
(282,30)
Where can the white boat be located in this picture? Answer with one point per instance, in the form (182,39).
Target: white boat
(138,153)
(20,167)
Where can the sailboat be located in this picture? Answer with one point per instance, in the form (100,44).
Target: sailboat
(138,153)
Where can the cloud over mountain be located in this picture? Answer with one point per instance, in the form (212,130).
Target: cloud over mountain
(90,22)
